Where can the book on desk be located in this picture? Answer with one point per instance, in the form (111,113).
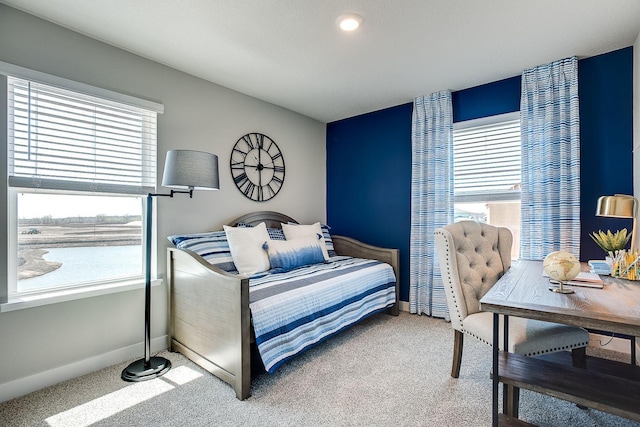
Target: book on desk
(600,267)
(585,279)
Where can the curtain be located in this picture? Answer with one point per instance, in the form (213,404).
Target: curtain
(431,199)
(550,126)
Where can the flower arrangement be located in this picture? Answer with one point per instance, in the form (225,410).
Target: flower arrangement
(611,242)
(624,264)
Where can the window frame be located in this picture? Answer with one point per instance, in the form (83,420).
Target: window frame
(9,299)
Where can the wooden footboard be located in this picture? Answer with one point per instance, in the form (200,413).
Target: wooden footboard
(210,319)
(347,246)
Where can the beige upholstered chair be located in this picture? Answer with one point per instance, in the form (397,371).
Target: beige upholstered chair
(472,258)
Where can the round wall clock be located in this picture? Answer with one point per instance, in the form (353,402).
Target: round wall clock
(257,167)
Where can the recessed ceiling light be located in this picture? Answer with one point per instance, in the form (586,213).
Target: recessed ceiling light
(349,22)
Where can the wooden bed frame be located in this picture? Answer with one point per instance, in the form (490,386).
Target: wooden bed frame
(210,320)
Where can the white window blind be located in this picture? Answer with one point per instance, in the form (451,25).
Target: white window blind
(487,163)
(64,140)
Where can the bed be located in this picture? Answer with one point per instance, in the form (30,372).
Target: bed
(225,322)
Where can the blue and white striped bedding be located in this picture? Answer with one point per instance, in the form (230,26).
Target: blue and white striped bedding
(212,246)
(295,310)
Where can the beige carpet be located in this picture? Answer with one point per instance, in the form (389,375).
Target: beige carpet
(386,371)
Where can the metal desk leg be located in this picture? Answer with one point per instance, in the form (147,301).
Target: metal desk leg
(510,393)
(506,390)
(496,350)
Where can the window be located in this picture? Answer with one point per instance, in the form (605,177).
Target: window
(78,168)
(70,240)
(487,172)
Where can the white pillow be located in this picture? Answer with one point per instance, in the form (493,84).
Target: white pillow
(245,245)
(292,231)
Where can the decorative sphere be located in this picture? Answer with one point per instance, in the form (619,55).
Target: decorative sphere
(561,266)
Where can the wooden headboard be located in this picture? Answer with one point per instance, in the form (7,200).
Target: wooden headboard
(270,218)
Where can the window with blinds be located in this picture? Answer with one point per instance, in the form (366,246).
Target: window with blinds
(64,140)
(487,173)
(80,161)
(487,162)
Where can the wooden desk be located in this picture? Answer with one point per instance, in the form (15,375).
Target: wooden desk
(604,385)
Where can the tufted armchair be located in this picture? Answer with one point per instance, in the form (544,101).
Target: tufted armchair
(472,258)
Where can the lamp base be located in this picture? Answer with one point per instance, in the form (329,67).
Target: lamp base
(560,289)
(137,371)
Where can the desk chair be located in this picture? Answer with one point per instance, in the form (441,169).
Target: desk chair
(472,257)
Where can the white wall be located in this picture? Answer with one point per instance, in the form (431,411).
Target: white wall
(43,345)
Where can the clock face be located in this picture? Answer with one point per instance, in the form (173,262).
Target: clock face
(257,167)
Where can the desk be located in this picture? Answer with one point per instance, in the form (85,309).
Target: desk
(523,292)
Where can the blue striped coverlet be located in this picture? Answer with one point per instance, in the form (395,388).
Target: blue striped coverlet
(295,310)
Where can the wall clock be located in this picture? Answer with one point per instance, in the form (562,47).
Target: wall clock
(257,166)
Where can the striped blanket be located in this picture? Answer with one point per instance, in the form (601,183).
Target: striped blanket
(295,310)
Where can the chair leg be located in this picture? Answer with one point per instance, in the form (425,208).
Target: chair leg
(579,360)
(458,340)
(579,357)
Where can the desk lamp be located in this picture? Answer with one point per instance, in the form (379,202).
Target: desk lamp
(620,206)
(186,170)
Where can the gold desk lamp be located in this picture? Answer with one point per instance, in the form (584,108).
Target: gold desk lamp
(620,206)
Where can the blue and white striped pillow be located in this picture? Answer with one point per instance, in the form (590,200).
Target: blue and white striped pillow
(327,239)
(212,246)
(274,233)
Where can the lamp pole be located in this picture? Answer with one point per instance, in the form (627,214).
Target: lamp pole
(187,170)
(149,367)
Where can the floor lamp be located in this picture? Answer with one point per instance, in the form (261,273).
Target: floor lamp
(186,170)
(620,206)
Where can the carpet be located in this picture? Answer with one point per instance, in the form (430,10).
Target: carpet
(384,371)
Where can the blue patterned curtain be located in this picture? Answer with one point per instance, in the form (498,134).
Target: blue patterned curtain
(431,198)
(550,124)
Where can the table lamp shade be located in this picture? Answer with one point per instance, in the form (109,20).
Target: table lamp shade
(618,206)
(191,170)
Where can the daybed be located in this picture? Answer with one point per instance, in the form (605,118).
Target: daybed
(214,314)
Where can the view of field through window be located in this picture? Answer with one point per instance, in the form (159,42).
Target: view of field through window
(66,240)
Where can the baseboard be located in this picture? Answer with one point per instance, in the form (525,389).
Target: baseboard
(404,306)
(22,386)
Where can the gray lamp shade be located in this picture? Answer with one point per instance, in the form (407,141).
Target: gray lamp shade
(189,169)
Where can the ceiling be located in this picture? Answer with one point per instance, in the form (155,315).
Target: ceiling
(291,53)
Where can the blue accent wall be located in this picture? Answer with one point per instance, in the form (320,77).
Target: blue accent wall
(606,136)
(369,181)
(487,100)
(369,156)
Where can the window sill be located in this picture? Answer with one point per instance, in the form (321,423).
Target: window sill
(54,297)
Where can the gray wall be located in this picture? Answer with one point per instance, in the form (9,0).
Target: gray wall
(44,345)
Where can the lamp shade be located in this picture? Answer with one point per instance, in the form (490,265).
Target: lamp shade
(618,206)
(191,170)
